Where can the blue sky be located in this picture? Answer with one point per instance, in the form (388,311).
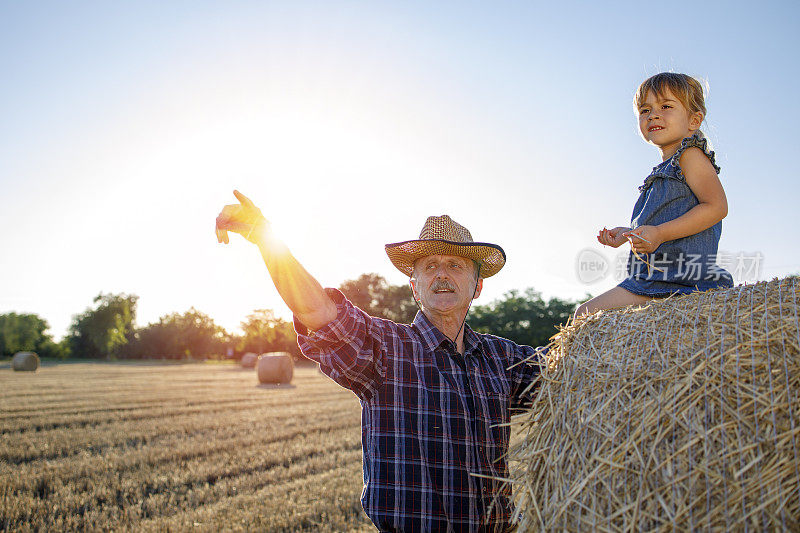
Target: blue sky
(126,126)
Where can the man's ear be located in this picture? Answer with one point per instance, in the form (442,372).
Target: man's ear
(413,283)
(478,288)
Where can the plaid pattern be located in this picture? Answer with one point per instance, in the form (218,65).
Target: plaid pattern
(430,417)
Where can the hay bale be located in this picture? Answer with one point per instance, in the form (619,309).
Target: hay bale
(25,361)
(275,367)
(683,414)
(249,360)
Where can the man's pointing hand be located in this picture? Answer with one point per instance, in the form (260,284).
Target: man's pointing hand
(243,218)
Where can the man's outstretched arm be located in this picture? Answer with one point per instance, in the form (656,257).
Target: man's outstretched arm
(301,292)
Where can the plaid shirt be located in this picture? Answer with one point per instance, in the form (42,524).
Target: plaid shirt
(430,417)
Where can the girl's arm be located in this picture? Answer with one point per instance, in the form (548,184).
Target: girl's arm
(712,207)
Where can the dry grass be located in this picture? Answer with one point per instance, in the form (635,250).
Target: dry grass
(681,415)
(176,447)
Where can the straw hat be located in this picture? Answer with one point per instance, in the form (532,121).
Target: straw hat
(444,236)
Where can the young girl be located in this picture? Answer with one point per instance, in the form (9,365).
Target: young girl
(677,220)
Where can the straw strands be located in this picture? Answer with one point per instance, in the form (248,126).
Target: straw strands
(682,414)
(156,447)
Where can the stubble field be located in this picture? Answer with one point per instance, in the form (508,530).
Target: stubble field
(159,447)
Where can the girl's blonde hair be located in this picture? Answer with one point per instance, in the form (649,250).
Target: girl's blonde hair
(686,89)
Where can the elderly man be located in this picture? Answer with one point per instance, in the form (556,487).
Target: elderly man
(435,396)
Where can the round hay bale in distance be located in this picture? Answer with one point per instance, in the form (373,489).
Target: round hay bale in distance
(249,360)
(275,367)
(680,415)
(25,362)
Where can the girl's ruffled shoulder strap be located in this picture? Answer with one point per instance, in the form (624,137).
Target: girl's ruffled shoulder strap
(697,140)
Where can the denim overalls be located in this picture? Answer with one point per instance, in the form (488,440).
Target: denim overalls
(684,265)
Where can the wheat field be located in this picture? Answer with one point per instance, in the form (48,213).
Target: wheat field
(177,447)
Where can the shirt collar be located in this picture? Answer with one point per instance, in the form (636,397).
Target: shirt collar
(472,342)
(432,338)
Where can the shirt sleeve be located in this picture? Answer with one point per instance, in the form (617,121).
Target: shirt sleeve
(349,349)
(525,367)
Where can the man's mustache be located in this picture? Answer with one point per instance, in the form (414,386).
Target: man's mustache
(440,284)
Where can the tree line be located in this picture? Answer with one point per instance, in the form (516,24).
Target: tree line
(107,328)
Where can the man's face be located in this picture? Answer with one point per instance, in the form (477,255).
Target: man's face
(444,284)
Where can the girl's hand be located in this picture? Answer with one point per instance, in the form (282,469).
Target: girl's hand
(644,239)
(613,237)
